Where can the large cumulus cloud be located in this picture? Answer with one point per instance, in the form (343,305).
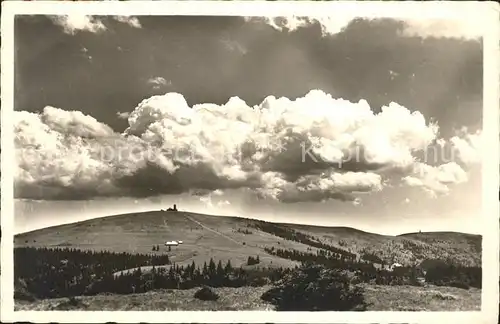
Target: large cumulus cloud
(74,23)
(457,27)
(311,148)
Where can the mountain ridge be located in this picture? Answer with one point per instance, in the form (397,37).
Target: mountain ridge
(235,238)
(255,219)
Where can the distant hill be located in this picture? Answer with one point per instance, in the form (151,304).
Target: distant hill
(233,238)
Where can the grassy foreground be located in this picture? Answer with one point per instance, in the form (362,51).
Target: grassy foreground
(380,298)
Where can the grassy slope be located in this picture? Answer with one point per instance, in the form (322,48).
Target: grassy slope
(411,248)
(245,298)
(411,298)
(216,236)
(382,298)
(137,233)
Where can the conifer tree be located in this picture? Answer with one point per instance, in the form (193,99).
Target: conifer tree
(205,269)
(191,271)
(211,267)
(220,269)
(228,268)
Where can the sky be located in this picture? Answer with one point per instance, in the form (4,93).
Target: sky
(338,121)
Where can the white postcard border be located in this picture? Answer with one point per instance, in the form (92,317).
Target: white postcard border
(486,13)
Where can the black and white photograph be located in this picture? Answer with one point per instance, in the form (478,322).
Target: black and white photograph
(280,162)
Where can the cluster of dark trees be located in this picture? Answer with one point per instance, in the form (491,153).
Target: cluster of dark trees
(413,246)
(56,273)
(244,231)
(324,257)
(364,269)
(68,272)
(156,248)
(305,288)
(293,235)
(185,277)
(441,274)
(49,271)
(251,260)
(455,276)
(372,258)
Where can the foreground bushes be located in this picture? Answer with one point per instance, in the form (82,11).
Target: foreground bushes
(316,288)
(206,293)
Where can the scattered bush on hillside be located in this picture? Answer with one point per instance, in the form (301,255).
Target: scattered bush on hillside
(315,288)
(244,231)
(206,293)
(252,261)
(72,301)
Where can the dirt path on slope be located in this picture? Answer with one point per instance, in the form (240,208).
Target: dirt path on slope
(212,230)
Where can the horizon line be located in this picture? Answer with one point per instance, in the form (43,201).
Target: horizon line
(248,218)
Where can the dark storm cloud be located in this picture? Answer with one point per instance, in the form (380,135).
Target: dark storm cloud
(106,71)
(111,72)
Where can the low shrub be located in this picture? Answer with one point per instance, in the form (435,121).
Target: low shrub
(206,293)
(315,288)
